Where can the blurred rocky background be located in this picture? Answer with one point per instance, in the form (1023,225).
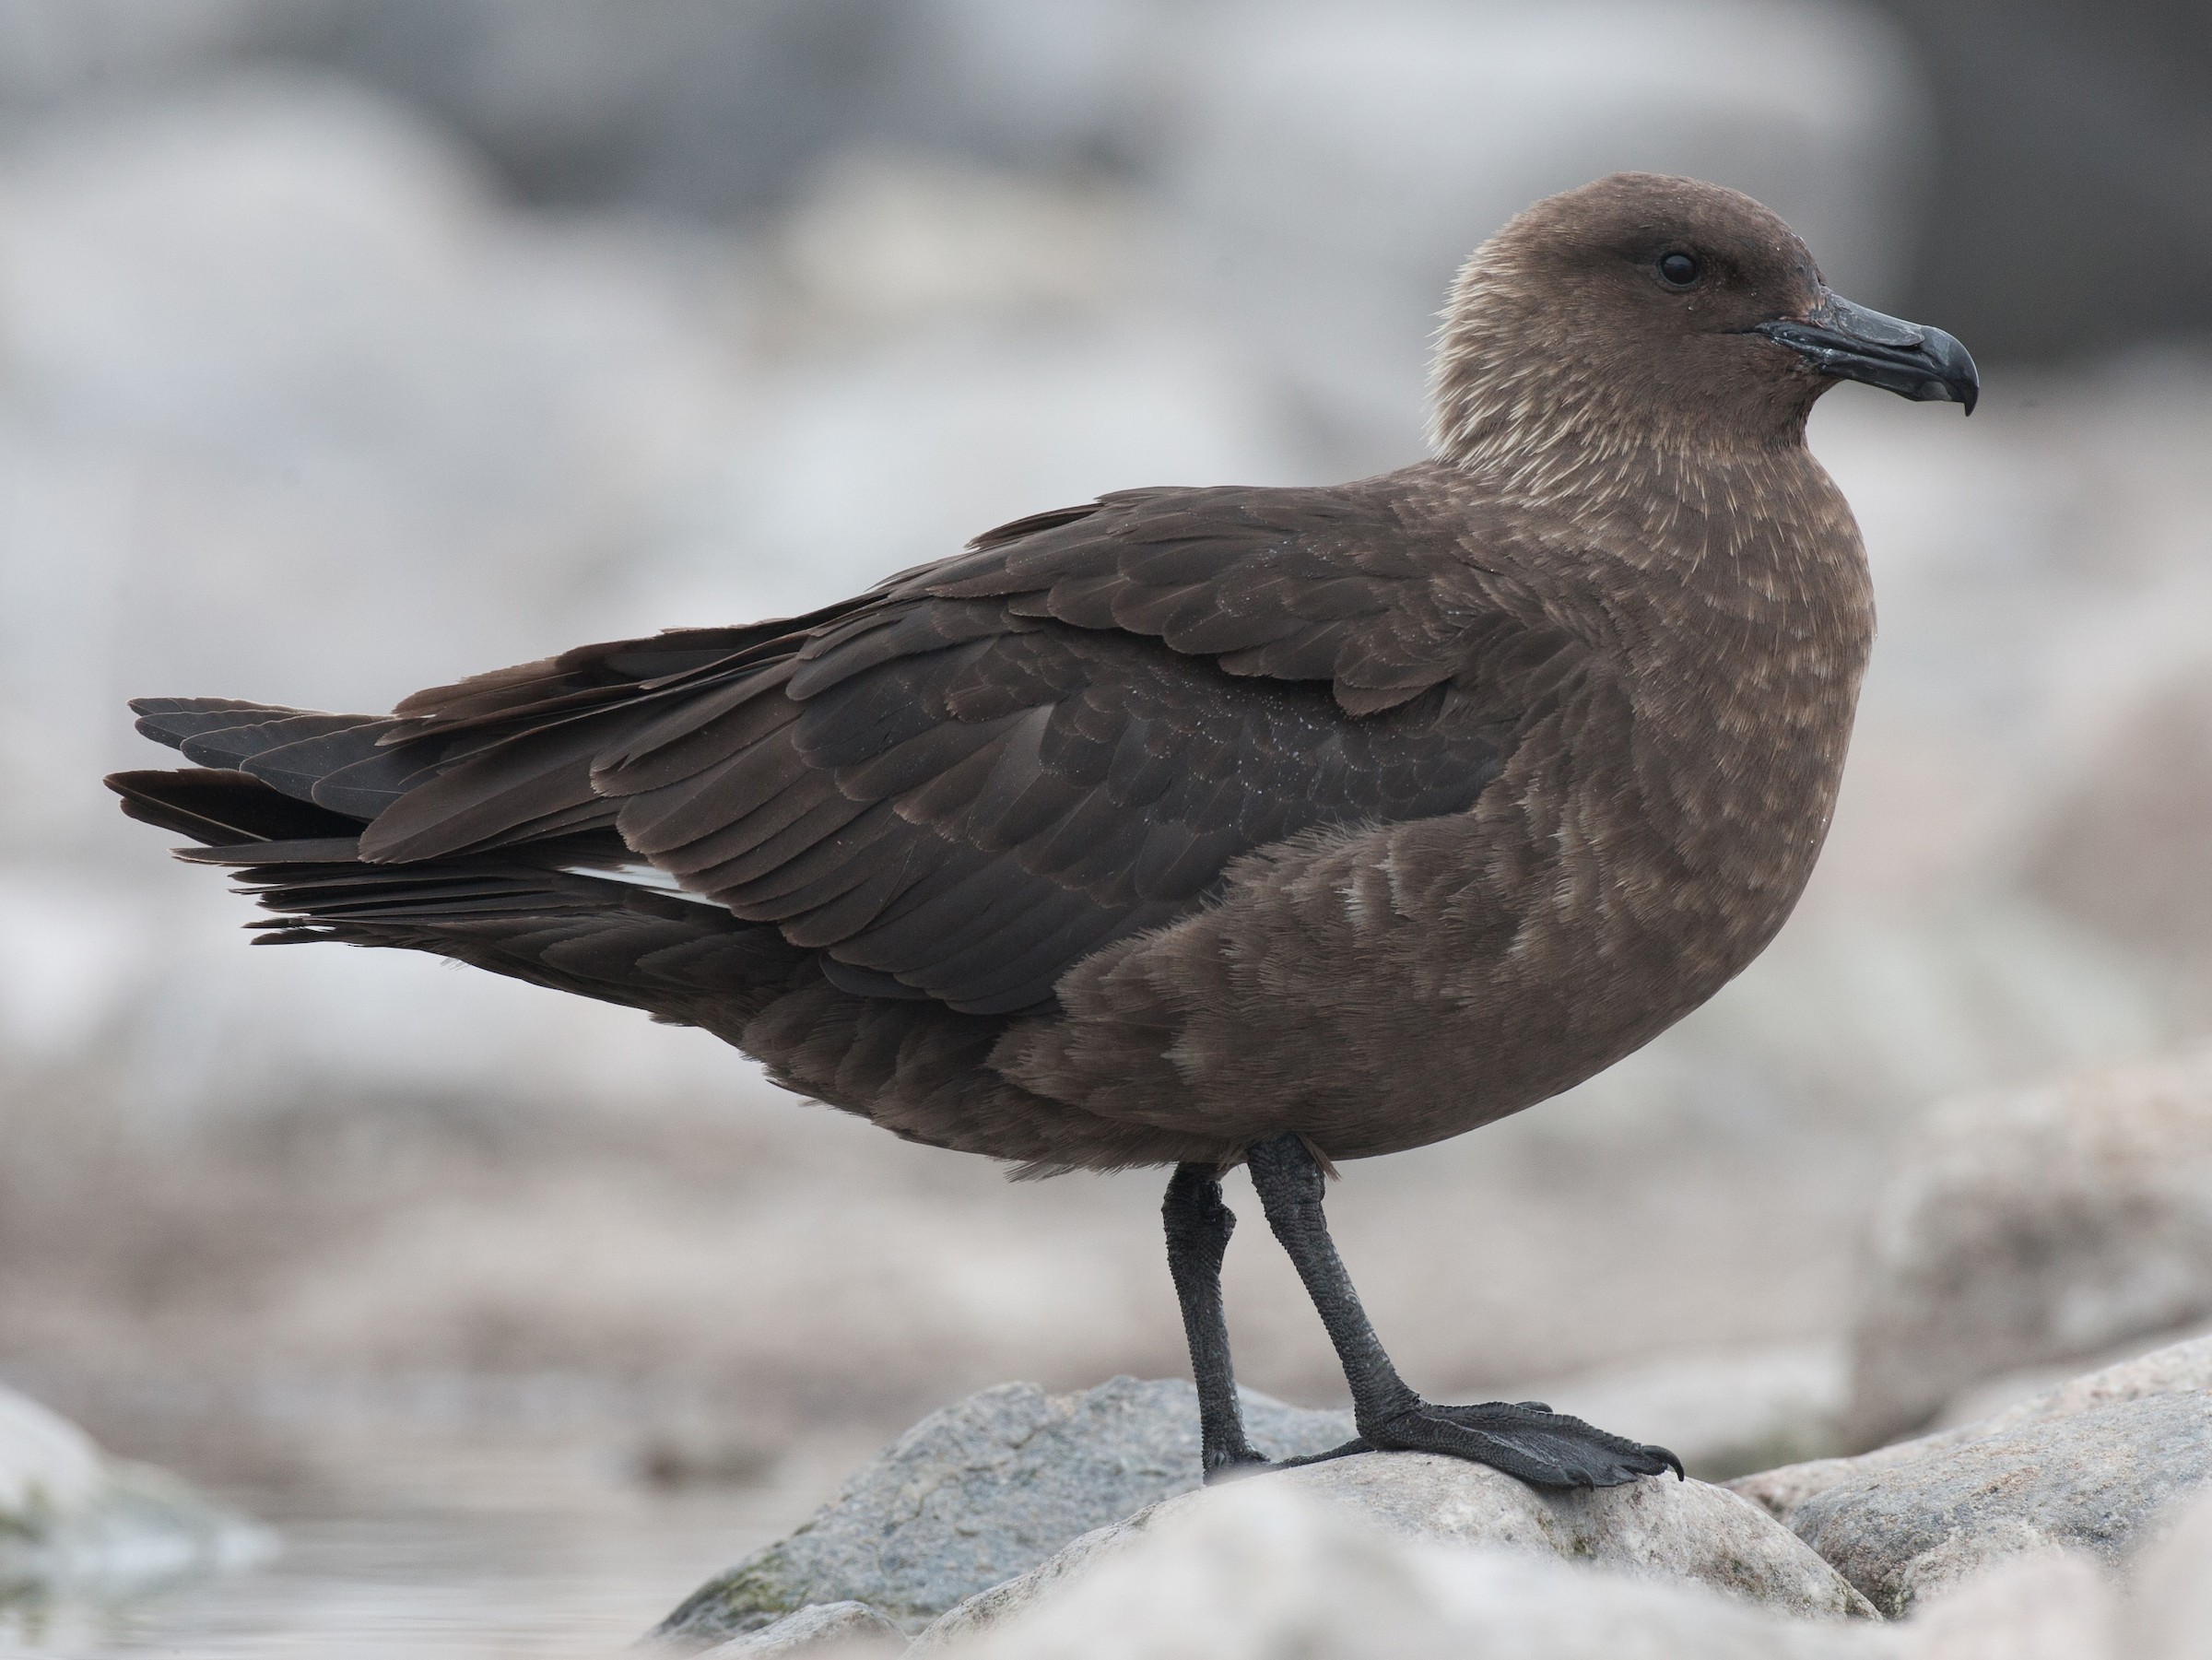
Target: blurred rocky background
(348,345)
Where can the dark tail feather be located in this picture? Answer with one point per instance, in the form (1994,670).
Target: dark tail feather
(679,960)
(339,761)
(503,760)
(223,807)
(469,790)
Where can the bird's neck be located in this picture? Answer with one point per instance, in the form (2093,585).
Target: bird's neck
(1579,449)
(1559,425)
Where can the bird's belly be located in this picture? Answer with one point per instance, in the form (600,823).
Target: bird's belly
(1400,985)
(1574,986)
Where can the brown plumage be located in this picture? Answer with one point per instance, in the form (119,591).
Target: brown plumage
(1191,821)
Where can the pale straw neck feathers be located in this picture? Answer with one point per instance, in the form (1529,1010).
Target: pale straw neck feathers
(1537,415)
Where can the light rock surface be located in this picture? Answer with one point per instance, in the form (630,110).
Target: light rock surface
(1678,1532)
(2181,1368)
(48,1465)
(2095,1482)
(1263,1569)
(1267,1568)
(1998,1394)
(70,1516)
(982,1491)
(2048,1605)
(2032,1226)
(822,1628)
(2147,787)
(2169,1614)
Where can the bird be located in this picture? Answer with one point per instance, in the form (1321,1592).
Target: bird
(1193,827)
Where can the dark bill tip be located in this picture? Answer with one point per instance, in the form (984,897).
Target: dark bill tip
(1849,341)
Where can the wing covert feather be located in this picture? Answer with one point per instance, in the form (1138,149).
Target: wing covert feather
(966,780)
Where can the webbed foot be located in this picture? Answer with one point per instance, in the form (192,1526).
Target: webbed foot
(1525,1440)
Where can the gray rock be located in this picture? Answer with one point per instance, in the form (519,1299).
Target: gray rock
(2182,1367)
(850,1628)
(1266,1568)
(2095,1482)
(2169,1614)
(1260,1569)
(980,1492)
(48,1466)
(1674,1531)
(72,1518)
(2033,1226)
(2145,784)
(2048,1605)
(2055,107)
(1994,1397)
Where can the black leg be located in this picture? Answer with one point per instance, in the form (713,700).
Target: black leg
(1525,1439)
(1290,1182)
(1198,1226)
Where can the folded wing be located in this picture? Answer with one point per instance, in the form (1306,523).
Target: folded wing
(957,785)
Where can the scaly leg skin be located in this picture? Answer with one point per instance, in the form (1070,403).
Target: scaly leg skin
(1525,1439)
(1198,1226)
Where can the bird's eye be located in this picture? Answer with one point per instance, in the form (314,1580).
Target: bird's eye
(1679,270)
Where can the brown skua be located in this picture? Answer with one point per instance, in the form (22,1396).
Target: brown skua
(1200,826)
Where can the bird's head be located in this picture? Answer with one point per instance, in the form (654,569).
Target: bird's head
(1645,309)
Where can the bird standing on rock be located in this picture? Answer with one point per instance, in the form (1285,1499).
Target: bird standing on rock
(1201,826)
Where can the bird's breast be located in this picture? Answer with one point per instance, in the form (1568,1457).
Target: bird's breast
(1686,783)
(1663,797)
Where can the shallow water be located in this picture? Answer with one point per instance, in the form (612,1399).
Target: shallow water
(425,1586)
(465,1557)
